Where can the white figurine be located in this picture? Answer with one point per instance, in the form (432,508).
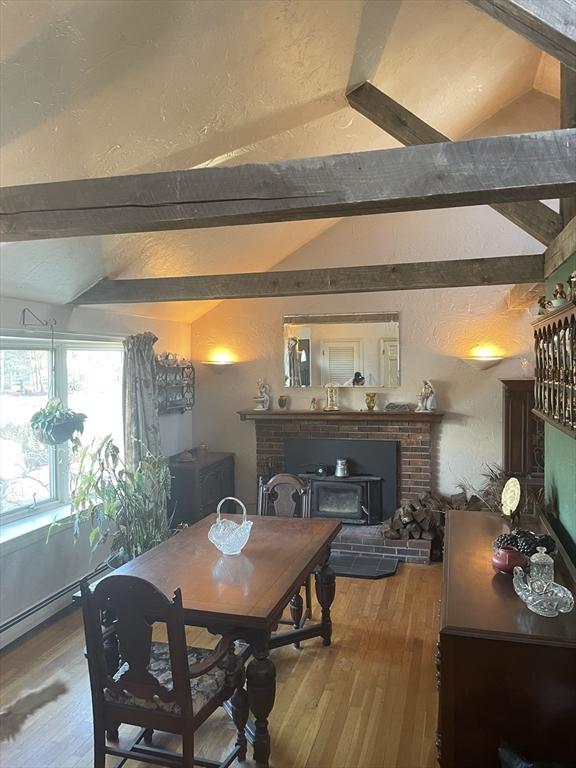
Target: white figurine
(427,397)
(262,399)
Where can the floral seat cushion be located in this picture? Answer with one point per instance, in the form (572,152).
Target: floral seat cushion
(203,688)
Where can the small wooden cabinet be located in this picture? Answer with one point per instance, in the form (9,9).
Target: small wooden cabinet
(505,674)
(523,433)
(198,485)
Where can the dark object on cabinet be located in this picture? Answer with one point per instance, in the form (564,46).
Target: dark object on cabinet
(523,432)
(505,674)
(198,486)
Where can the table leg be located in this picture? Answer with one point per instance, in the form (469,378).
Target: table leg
(261,684)
(296,610)
(325,592)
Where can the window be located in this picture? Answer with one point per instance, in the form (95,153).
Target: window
(341,359)
(87,376)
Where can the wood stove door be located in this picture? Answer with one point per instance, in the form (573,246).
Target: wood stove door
(339,500)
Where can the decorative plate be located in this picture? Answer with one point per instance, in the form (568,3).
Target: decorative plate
(510,496)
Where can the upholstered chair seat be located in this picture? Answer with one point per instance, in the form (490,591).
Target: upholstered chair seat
(203,688)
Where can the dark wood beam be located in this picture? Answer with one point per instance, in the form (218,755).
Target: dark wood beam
(383,277)
(563,247)
(497,169)
(567,120)
(549,24)
(533,216)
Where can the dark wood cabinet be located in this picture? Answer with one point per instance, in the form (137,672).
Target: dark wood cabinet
(505,674)
(198,485)
(523,433)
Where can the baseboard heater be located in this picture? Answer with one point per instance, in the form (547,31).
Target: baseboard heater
(71,588)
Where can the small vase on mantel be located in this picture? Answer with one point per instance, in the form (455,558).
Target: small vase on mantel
(370,400)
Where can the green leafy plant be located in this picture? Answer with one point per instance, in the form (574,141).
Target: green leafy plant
(55,424)
(129,508)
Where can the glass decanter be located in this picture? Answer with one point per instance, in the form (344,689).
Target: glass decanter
(541,571)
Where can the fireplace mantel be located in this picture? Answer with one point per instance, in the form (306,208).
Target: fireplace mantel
(372,416)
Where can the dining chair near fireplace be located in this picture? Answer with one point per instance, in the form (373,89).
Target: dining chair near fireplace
(155,685)
(286,495)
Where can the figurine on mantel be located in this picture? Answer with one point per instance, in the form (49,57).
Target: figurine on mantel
(427,397)
(262,399)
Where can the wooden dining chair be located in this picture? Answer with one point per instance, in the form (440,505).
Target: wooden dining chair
(158,686)
(286,495)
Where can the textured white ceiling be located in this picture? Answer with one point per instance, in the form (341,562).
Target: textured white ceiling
(123,86)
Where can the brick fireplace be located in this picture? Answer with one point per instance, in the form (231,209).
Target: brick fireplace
(412,431)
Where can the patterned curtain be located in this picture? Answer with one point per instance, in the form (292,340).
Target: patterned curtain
(140,398)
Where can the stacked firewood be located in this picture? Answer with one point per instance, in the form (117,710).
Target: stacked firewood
(424,519)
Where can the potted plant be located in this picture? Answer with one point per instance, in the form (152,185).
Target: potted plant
(54,424)
(128,508)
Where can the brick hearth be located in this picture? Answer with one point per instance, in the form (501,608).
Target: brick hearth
(412,431)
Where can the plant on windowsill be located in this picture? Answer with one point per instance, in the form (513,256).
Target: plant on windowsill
(54,424)
(128,508)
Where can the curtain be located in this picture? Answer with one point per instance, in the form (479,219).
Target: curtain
(140,398)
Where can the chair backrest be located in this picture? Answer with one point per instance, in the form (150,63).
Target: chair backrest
(284,495)
(132,606)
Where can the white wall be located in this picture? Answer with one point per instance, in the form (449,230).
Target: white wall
(31,569)
(436,327)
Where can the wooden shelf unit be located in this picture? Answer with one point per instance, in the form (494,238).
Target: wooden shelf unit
(555,371)
(176,386)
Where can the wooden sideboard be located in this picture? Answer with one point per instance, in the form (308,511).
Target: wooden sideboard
(198,486)
(504,673)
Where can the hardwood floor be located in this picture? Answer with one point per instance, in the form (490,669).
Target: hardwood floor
(368,701)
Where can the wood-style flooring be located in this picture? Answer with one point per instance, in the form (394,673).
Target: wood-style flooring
(368,701)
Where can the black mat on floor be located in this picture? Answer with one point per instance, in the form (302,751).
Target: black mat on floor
(362,566)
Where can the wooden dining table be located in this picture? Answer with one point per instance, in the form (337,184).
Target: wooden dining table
(245,595)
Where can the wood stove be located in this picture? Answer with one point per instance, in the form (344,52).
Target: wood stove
(355,500)
(366,497)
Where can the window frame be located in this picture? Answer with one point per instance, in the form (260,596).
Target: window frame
(58,387)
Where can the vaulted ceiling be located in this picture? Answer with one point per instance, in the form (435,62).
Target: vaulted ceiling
(104,88)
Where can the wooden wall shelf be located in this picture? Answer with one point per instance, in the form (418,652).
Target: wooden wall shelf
(555,371)
(373,416)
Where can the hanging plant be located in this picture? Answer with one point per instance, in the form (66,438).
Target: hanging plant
(54,424)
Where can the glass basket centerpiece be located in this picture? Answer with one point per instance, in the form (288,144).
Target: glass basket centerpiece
(230,537)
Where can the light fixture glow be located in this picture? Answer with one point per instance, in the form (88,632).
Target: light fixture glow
(486,352)
(221,358)
(483,356)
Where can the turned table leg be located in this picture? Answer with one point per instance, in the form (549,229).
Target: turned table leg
(296,610)
(325,592)
(261,684)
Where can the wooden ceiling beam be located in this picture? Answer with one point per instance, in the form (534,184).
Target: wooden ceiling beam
(568,120)
(563,247)
(383,277)
(533,216)
(499,169)
(549,24)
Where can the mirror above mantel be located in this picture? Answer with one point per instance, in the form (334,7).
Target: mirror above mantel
(348,350)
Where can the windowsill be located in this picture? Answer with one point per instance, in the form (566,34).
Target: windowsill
(37,524)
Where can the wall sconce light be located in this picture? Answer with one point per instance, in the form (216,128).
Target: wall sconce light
(483,356)
(220,360)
